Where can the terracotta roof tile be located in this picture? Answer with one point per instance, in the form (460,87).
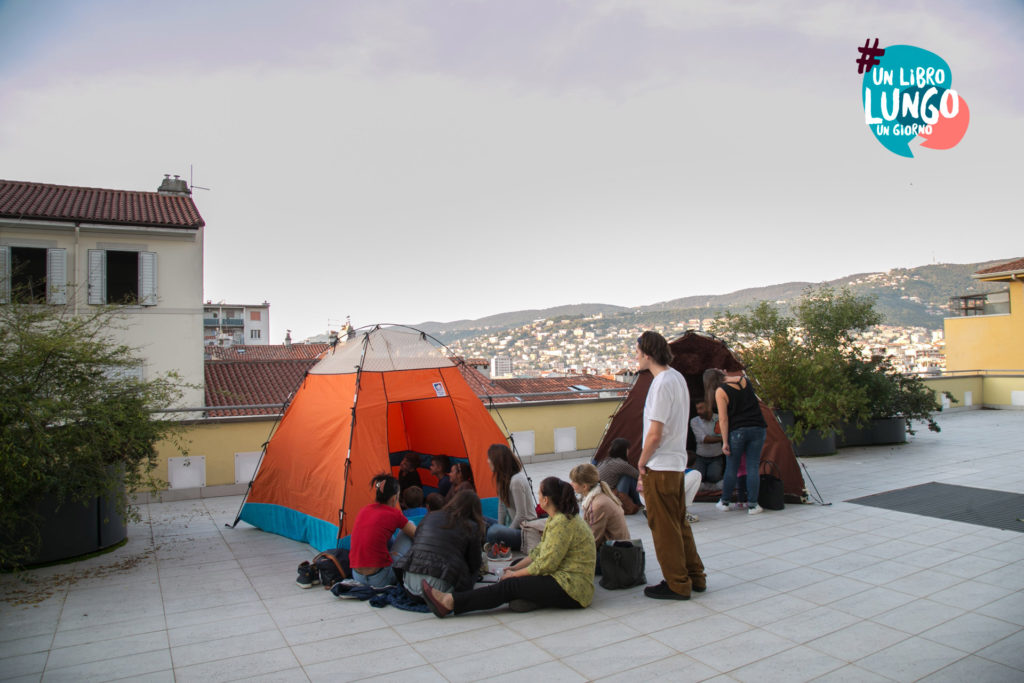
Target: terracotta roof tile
(257,352)
(39,201)
(239,383)
(1003,267)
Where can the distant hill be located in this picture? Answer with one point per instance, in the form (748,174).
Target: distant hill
(905,296)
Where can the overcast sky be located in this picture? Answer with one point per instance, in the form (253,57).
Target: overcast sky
(401,161)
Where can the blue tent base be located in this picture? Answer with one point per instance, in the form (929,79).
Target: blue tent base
(322,535)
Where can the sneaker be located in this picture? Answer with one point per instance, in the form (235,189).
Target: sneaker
(308,576)
(756,510)
(738,506)
(721,506)
(663,592)
(692,518)
(498,551)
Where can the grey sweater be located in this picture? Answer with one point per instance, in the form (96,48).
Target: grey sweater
(521,508)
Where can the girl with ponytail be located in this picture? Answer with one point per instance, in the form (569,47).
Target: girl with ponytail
(372,551)
(601,508)
(559,572)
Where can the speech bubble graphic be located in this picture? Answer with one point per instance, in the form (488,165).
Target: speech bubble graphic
(909,93)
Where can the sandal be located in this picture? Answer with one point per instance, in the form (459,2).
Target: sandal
(433,603)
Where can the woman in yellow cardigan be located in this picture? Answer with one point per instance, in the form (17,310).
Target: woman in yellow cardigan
(559,572)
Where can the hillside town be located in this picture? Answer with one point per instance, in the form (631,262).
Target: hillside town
(598,345)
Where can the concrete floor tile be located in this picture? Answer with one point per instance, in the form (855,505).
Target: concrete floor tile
(431,627)
(31,664)
(112,668)
(586,638)
(679,667)
(970,566)
(1008,651)
(739,650)
(971,632)
(973,668)
(686,637)
(796,578)
(1010,576)
(206,615)
(918,616)
(212,650)
(871,602)
(910,659)
(852,674)
(605,661)
(97,651)
(767,612)
(790,666)
(1010,608)
(857,641)
(830,590)
(357,642)
(473,667)
(249,666)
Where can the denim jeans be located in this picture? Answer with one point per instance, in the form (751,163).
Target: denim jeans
(627,485)
(711,469)
(398,546)
(744,441)
(499,533)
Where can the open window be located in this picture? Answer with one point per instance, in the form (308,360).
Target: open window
(122,277)
(33,275)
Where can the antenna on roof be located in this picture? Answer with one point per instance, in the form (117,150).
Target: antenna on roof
(190,185)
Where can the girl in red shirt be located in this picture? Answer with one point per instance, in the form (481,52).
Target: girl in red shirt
(372,552)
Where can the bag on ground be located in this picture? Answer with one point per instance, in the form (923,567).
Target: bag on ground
(623,564)
(332,566)
(771,495)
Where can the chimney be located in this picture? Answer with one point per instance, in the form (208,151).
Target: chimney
(288,339)
(176,187)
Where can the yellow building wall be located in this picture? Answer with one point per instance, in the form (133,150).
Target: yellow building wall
(588,417)
(219,440)
(1003,391)
(959,387)
(988,342)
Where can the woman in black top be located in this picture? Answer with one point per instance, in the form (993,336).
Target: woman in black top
(743,432)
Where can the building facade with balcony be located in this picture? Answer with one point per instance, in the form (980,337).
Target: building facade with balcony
(86,247)
(235,324)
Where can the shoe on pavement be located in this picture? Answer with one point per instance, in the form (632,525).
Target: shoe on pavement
(756,510)
(721,506)
(663,592)
(308,575)
(738,506)
(692,518)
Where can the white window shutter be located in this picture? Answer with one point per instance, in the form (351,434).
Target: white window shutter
(147,278)
(5,275)
(56,276)
(97,277)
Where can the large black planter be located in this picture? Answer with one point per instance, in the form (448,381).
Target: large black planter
(75,529)
(815,442)
(886,430)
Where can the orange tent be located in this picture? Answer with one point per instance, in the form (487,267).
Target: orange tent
(382,391)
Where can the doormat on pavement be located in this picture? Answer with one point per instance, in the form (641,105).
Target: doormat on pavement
(997,509)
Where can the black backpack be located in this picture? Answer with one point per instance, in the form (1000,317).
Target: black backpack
(332,566)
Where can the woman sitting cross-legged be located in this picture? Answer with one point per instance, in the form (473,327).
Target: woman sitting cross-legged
(372,552)
(445,552)
(557,573)
(515,504)
(601,508)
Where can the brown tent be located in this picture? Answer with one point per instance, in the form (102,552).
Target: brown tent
(692,354)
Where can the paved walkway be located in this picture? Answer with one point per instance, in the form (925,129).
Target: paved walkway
(811,593)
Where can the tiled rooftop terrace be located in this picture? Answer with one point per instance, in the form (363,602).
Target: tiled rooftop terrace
(811,593)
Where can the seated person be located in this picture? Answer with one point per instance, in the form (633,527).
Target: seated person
(445,553)
(412,501)
(559,572)
(601,509)
(407,471)
(616,471)
(515,500)
(440,465)
(372,552)
(435,501)
(709,462)
(461,475)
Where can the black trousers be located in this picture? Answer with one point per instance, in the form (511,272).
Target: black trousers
(543,590)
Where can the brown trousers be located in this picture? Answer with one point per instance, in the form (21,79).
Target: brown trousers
(665,498)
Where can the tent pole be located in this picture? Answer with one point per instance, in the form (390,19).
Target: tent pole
(352,429)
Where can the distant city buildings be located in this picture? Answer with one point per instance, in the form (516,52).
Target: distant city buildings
(233,324)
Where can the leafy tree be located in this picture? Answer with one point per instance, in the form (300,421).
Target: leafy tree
(74,423)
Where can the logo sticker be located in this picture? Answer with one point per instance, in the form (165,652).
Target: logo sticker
(439,389)
(908,93)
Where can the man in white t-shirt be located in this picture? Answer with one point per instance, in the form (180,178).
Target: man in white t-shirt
(662,464)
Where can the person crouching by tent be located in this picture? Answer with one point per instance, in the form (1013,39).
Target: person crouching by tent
(616,471)
(445,552)
(709,461)
(559,572)
(515,502)
(372,552)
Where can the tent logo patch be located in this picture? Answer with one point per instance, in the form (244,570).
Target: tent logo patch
(439,390)
(908,93)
